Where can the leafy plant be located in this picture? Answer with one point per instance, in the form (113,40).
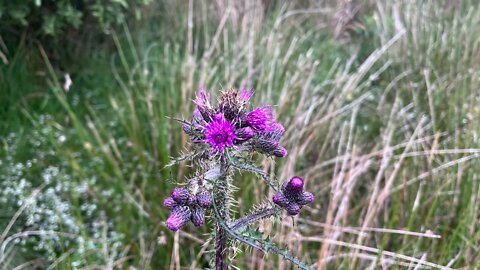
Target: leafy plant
(53,17)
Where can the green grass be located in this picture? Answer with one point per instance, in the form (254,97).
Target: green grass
(386,135)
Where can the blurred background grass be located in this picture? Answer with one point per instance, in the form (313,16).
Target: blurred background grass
(380,101)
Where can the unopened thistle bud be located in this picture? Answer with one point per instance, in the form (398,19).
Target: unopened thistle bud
(179,216)
(244,134)
(180,195)
(292,196)
(294,186)
(280,152)
(204,199)
(169,203)
(198,217)
(293,209)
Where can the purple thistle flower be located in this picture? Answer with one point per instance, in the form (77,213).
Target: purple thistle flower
(260,119)
(219,133)
(292,196)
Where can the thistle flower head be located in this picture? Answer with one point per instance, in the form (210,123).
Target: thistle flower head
(180,195)
(230,124)
(260,119)
(269,142)
(292,197)
(219,133)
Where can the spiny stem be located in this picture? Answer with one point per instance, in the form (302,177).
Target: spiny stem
(259,243)
(253,217)
(221,237)
(254,169)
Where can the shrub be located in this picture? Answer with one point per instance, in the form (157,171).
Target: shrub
(49,17)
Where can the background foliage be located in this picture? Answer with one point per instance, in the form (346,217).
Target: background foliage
(56,17)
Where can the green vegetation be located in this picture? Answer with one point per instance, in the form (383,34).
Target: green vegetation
(381,110)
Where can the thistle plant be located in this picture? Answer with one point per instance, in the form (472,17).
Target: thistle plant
(225,138)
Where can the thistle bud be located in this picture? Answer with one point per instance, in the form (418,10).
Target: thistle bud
(293,209)
(178,218)
(169,203)
(280,199)
(180,195)
(244,134)
(188,129)
(305,198)
(204,199)
(198,217)
(280,152)
(292,196)
(294,186)
(266,145)
(192,200)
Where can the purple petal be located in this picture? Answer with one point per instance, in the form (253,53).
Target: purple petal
(260,119)
(245,95)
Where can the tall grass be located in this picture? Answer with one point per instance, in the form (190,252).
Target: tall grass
(381,125)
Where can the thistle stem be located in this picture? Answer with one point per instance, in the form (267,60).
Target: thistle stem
(221,236)
(253,217)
